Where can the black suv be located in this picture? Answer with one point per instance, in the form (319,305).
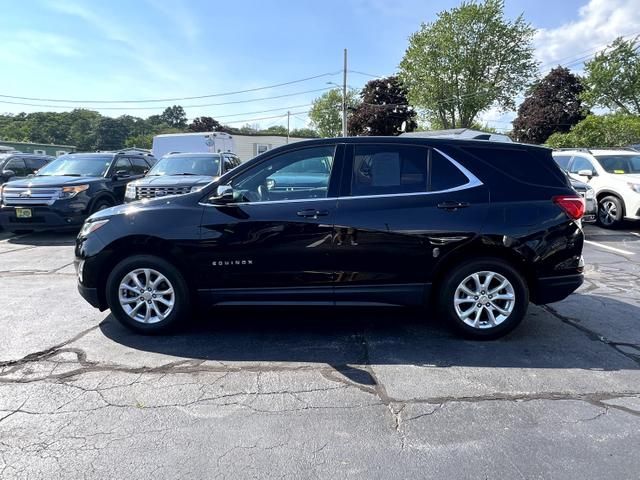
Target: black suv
(180,173)
(14,166)
(477,228)
(66,191)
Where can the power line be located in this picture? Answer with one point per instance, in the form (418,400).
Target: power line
(176,99)
(264,111)
(161,107)
(249,120)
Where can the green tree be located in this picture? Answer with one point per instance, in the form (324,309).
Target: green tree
(384,109)
(613,77)
(613,130)
(82,130)
(111,134)
(274,130)
(326,112)
(205,124)
(139,141)
(552,105)
(470,59)
(304,133)
(174,116)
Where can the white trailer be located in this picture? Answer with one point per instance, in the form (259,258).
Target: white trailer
(199,142)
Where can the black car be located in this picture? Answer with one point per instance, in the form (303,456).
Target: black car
(66,191)
(476,228)
(180,173)
(14,166)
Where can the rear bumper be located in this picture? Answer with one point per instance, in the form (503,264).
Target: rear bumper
(554,289)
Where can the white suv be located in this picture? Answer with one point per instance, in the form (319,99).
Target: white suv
(613,174)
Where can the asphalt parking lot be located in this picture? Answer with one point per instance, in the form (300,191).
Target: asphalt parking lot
(302,393)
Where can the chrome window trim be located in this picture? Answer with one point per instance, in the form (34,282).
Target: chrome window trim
(473,182)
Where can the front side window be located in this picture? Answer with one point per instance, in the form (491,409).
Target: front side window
(580,163)
(296,175)
(207,165)
(620,164)
(389,169)
(34,164)
(77,165)
(123,167)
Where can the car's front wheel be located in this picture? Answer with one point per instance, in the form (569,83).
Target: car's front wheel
(610,212)
(484,299)
(148,294)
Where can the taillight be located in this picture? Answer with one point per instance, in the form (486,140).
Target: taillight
(572,205)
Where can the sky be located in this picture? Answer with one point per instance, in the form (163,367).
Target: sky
(133,50)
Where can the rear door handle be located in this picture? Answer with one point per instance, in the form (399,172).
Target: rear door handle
(312,213)
(452,205)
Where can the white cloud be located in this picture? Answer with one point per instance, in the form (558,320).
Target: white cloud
(180,16)
(598,23)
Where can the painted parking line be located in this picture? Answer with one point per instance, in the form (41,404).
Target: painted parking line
(613,249)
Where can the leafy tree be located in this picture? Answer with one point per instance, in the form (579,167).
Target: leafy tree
(303,133)
(326,112)
(383,110)
(613,77)
(470,59)
(82,130)
(552,105)
(174,117)
(205,124)
(613,130)
(140,141)
(275,130)
(111,134)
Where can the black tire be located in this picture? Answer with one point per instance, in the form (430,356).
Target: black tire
(180,313)
(101,205)
(450,284)
(608,218)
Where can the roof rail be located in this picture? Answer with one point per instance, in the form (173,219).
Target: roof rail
(572,149)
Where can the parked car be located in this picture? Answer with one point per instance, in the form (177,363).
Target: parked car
(614,174)
(15,166)
(589,194)
(66,191)
(181,173)
(477,228)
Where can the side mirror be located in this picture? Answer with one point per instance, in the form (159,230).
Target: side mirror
(586,173)
(223,195)
(8,173)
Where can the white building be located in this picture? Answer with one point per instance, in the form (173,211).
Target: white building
(248,146)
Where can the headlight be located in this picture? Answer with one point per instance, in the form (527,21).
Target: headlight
(197,188)
(635,187)
(130,191)
(90,227)
(70,192)
(590,194)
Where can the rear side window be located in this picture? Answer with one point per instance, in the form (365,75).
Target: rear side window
(140,167)
(17,166)
(528,166)
(444,174)
(389,169)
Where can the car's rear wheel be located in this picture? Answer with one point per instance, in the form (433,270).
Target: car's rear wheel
(484,299)
(610,212)
(148,294)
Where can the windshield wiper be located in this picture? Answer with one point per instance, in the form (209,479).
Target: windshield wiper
(184,173)
(71,175)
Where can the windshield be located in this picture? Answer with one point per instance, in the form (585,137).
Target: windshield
(187,165)
(620,163)
(77,165)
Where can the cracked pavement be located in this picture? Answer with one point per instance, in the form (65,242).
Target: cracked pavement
(316,393)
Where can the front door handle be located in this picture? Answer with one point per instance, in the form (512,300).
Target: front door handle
(312,213)
(452,205)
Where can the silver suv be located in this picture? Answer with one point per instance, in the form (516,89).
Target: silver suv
(614,174)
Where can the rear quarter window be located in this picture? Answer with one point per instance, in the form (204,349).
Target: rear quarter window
(535,167)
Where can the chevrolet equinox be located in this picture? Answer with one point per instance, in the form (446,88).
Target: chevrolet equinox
(479,229)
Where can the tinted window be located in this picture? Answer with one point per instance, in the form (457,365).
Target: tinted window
(34,164)
(580,163)
(80,165)
(620,163)
(562,161)
(444,174)
(528,166)
(123,166)
(228,164)
(140,167)
(188,165)
(17,166)
(389,169)
(300,174)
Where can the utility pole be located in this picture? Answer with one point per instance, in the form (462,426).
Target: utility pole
(344,96)
(288,119)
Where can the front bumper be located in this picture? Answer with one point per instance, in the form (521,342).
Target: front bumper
(554,289)
(43,218)
(91,296)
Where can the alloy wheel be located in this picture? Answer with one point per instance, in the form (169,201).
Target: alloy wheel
(484,299)
(608,212)
(146,295)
